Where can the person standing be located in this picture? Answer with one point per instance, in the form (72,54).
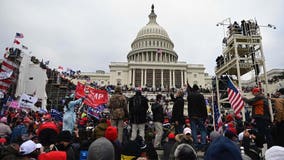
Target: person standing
(158,118)
(260,113)
(138,106)
(197,113)
(118,110)
(5,130)
(278,130)
(177,113)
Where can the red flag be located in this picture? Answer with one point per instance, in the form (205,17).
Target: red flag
(16,41)
(80,90)
(94,97)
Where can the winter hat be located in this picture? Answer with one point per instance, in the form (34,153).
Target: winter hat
(255,90)
(27,120)
(214,135)
(281,90)
(3,141)
(100,130)
(229,118)
(3,120)
(230,133)
(117,89)
(274,153)
(186,130)
(223,149)
(64,136)
(187,121)
(28,147)
(185,151)
(101,149)
(47,116)
(171,136)
(58,155)
(111,133)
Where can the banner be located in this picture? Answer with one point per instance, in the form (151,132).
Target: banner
(27,101)
(93,97)
(5,75)
(14,104)
(96,112)
(56,115)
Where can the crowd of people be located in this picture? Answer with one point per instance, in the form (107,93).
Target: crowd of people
(128,132)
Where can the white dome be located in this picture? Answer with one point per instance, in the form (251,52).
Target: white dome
(150,39)
(152,29)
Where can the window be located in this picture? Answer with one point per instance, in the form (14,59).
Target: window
(118,73)
(195,75)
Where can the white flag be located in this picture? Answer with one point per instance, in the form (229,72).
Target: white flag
(27,101)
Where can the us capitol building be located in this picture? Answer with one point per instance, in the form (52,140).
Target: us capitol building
(153,63)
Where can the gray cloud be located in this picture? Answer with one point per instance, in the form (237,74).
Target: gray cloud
(89,34)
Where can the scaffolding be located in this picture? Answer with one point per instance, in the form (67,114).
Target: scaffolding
(242,53)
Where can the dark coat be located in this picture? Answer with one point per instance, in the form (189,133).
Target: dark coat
(71,153)
(158,115)
(138,106)
(178,107)
(196,105)
(167,148)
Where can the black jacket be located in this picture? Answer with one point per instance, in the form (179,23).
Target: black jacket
(138,106)
(177,114)
(196,105)
(158,115)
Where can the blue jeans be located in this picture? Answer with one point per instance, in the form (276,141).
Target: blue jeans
(198,125)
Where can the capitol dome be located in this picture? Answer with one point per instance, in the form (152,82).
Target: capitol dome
(152,44)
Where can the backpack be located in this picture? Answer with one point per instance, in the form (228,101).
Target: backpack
(137,105)
(118,113)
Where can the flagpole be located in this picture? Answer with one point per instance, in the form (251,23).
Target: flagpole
(213,111)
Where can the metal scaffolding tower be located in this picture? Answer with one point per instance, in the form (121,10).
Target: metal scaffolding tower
(242,53)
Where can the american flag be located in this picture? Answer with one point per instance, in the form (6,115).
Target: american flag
(234,97)
(217,117)
(159,51)
(19,35)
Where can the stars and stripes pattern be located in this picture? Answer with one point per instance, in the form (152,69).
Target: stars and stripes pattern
(217,117)
(234,97)
(19,35)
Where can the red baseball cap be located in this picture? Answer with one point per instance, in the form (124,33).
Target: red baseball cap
(255,90)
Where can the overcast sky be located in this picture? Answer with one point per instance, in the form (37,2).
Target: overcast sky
(87,35)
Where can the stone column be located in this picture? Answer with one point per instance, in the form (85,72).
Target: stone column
(162,78)
(170,72)
(129,76)
(185,76)
(133,78)
(147,56)
(142,75)
(145,77)
(181,78)
(174,79)
(154,85)
(156,55)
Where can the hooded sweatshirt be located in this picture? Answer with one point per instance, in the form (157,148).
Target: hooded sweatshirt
(101,149)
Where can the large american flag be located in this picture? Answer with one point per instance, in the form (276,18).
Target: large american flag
(234,97)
